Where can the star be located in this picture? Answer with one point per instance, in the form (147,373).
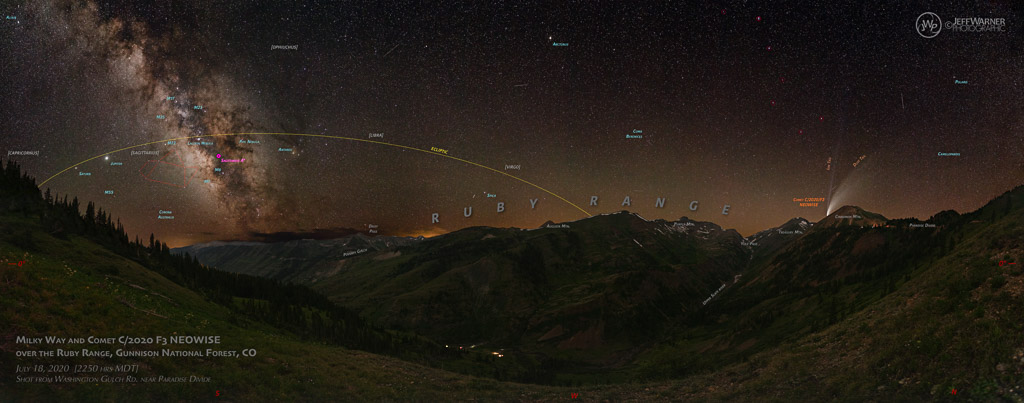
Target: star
(456,94)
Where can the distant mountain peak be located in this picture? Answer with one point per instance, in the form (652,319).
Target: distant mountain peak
(623,213)
(852,215)
(847,210)
(854,212)
(773,238)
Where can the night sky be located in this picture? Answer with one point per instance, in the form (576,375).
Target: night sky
(739,104)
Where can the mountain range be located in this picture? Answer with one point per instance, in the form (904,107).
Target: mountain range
(616,296)
(613,307)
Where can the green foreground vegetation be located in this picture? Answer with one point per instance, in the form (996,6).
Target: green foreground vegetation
(897,326)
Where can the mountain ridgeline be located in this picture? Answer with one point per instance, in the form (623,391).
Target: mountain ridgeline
(53,232)
(612,282)
(629,298)
(853,306)
(296,261)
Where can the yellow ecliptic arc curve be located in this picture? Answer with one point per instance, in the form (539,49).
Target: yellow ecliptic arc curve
(330,137)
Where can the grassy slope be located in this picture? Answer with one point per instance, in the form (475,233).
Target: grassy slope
(583,289)
(77,289)
(956,324)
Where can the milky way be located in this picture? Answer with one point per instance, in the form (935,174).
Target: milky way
(749,106)
(134,70)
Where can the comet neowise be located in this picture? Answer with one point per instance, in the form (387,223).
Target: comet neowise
(725,104)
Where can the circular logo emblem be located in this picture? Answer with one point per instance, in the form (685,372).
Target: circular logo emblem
(928,25)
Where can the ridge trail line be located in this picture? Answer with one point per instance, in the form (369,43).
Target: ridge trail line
(329,137)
